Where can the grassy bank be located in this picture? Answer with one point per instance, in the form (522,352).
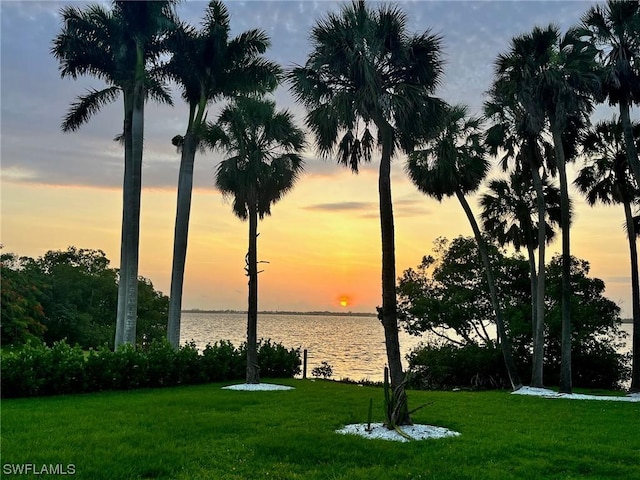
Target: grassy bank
(203,432)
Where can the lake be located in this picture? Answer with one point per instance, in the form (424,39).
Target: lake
(352,345)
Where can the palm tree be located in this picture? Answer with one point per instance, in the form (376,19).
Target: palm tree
(554,78)
(117,46)
(615,29)
(208,66)
(264,164)
(607,178)
(510,215)
(455,163)
(513,136)
(367,72)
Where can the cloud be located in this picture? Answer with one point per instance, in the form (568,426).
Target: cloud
(341,206)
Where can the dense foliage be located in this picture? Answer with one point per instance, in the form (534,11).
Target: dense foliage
(447,297)
(36,369)
(71,295)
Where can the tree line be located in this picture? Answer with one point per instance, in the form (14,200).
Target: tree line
(369,86)
(72,295)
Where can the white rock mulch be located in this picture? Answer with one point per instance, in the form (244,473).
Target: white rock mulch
(379,431)
(544,392)
(258,387)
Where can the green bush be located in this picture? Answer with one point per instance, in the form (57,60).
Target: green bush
(442,367)
(36,369)
(222,361)
(446,366)
(276,361)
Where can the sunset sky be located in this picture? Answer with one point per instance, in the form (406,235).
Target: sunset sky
(323,240)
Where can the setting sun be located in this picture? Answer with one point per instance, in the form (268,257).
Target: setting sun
(344,301)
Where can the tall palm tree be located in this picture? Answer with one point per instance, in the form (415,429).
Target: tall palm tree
(265,161)
(455,163)
(509,215)
(369,83)
(514,133)
(615,29)
(208,65)
(554,77)
(118,46)
(607,178)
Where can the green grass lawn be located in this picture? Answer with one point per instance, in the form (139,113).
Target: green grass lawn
(204,432)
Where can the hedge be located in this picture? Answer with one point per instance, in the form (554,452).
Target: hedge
(36,369)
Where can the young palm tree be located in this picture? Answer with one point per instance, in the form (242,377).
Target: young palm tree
(455,163)
(118,46)
(208,66)
(554,77)
(509,215)
(369,83)
(615,29)
(514,133)
(265,161)
(607,178)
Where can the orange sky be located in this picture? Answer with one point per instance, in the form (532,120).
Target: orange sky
(322,241)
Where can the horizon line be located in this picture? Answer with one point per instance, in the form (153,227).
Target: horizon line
(282,312)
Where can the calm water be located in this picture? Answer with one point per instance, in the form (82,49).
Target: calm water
(353,346)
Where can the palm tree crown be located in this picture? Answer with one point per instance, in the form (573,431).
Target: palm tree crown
(615,29)
(264,146)
(454,160)
(366,70)
(607,176)
(103,43)
(510,211)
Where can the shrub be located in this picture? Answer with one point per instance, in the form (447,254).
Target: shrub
(37,369)
(277,361)
(222,361)
(442,367)
(324,370)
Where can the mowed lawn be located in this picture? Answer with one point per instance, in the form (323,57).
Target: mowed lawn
(204,432)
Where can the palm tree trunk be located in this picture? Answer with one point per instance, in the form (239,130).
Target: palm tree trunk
(505,341)
(389,306)
(635,286)
(565,220)
(180,237)
(128,287)
(534,289)
(126,193)
(537,366)
(252,314)
(632,152)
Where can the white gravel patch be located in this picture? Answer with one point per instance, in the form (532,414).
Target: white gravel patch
(258,387)
(379,431)
(544,392)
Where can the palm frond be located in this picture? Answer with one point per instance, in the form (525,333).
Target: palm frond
(86,106)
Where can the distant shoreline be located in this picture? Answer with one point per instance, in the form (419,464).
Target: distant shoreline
(279,312)
(312,313)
